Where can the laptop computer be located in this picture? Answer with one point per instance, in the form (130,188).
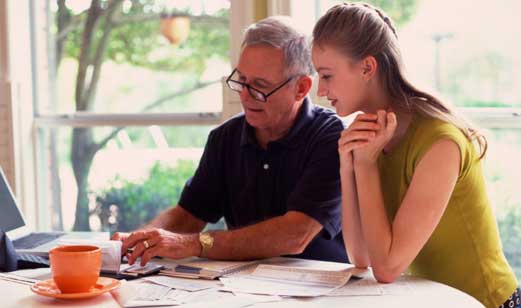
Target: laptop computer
(24,240)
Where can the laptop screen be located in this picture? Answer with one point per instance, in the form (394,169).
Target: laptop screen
(11,218)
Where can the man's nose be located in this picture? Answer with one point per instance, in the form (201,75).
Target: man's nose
(244,94)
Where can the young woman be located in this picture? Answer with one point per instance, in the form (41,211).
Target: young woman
(413,189)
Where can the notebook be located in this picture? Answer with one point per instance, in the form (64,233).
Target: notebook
(204,268)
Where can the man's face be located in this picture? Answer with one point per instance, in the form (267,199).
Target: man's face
(262,68)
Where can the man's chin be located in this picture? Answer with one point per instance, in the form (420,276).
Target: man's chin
(255,124)
(255,121)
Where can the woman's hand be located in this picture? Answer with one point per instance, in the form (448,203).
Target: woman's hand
(357,135)
(369,152)
(158,242)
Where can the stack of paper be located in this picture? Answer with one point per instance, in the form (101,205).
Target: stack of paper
(204,268)
(287,281)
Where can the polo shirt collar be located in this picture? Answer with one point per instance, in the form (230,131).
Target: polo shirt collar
(291,139)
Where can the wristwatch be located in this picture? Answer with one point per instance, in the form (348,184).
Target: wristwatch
(206,240)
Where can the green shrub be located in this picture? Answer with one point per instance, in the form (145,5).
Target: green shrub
(127,205)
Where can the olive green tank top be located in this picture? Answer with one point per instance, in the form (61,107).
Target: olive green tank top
(464,250)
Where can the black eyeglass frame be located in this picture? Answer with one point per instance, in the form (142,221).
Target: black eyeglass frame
(250,88)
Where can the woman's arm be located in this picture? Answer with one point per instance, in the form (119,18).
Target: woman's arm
(392,246)
(360,132)
(351,224)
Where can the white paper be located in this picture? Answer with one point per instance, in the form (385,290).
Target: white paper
(362,287)
(43,273)
(398,287)
(228,300)
(370,287)
(177,295)
(183,283)
(286,281)
(302,275)
(203,296)
(260,298)
(151,291)
(138,293)
(17,279)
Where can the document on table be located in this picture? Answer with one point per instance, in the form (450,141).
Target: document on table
(144,293)
(186,284)
(399,287)
(138,294)
(362,287)
(35,273)
(286,281)
(204,268)
(369,286)
(17,279)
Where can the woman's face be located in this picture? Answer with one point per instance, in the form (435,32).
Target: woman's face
(341,80)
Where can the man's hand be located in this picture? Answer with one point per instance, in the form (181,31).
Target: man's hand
(120,236)
(158,242)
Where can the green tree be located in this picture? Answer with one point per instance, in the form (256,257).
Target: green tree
(128,205)
(400,11)
(107,30)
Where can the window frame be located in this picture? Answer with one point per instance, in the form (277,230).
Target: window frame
(23,91)
(33,193)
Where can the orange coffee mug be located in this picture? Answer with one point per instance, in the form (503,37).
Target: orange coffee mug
(75,268)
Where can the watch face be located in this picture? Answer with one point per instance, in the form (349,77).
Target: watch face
(206,239)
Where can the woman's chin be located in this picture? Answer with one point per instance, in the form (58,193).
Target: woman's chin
(342,113)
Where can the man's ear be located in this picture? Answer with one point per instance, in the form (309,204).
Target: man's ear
(369,67)
(303,86)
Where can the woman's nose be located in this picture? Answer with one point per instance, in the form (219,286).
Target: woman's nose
(321,89)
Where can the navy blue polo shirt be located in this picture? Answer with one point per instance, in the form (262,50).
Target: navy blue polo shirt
(246,184)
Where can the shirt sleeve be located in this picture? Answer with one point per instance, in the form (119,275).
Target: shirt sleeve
(432,133)
(318,192)
(202,195)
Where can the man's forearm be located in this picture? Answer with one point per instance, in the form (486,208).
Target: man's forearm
(288,234)
(177,219)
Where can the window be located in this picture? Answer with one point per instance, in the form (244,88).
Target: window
(466,52)
(151,96)
(128,93)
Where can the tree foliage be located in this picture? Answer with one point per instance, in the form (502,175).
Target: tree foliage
(136,40)
(126,32)
(128,205)
(400,11)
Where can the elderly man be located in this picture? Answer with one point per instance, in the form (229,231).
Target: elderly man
(271,172)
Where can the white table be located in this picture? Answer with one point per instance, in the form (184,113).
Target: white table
(422,293)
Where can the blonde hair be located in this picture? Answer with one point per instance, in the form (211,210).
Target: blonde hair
(359,30)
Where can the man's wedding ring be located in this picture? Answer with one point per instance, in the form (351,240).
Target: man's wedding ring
(146,244)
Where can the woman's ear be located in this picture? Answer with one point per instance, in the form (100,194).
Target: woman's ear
(303,86)
(369,67)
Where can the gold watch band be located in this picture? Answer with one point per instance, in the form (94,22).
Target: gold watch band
(206,240)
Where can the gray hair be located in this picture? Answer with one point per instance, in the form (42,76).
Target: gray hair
(280,32)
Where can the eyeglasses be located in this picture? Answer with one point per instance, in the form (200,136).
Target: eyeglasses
(256,94)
